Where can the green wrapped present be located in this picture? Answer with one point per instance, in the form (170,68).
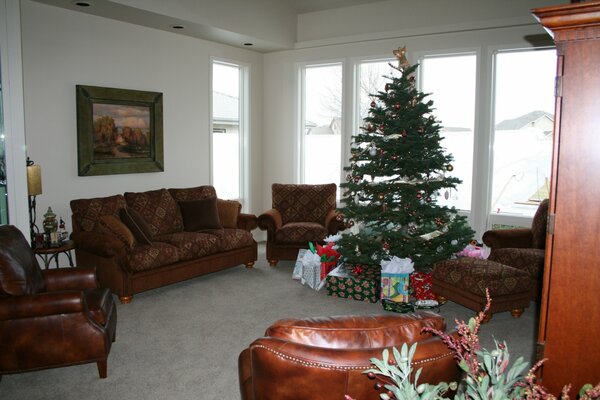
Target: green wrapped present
(363,286)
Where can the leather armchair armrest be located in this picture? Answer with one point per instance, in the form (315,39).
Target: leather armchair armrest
(247,222)
(70,279)
(270,221)
(275,360)
(500,238)
(100,244)
(42,304)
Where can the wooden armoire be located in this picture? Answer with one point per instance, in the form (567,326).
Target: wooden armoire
(569,331)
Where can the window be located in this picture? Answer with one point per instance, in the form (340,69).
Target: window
(524,118)
(321,124)
(227,128)
(372,77)
(451,80)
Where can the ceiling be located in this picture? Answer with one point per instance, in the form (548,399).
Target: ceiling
(306,6)
(261,25)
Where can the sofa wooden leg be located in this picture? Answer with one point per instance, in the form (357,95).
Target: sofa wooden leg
(273,263)
(102,368)
(441,299)
(125,299)
(249,264)
(516,313)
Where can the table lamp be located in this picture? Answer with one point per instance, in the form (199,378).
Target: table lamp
(34,188)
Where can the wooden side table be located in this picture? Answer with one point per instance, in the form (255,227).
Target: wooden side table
(47,254)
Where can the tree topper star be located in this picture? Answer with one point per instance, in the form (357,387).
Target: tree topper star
(401,55)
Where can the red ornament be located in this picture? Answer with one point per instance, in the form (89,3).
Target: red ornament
(404,134)
(397,106)
(369,128)
(428,199)
(357,179)
(373,104)
(386,246)
(387,87)
(419,195)
(394,157)
(421,130)
(381,127)
(438,221)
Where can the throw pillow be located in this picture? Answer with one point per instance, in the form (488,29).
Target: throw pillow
(229,210)
(111,225)
(136,224)
(200,214)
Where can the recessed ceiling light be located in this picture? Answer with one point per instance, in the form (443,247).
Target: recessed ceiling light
(177,27)
(248,44)
(82,3)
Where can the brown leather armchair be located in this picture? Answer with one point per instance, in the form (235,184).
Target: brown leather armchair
(324,358)
(522,248)
(300,214)
(50,318)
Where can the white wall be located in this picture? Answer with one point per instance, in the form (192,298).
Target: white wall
(395,18)
(63,48)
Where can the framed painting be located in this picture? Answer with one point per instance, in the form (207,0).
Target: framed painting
(119,131)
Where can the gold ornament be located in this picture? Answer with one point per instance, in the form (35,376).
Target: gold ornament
(401,55)
(449,167)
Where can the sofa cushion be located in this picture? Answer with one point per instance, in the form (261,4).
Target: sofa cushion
(136,224)
(200,214)
(193,193)
(300,232)
(146,257)
(158,208)
(87,212)
(229,210)
(113,226)
(191,245)
(230,239)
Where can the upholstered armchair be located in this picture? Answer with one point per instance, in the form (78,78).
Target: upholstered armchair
(299,214)
(522,248)
(50,318)
(324,358)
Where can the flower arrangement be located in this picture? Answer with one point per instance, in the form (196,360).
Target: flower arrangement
(487,373)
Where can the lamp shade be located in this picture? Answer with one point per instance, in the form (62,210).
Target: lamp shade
(34,180)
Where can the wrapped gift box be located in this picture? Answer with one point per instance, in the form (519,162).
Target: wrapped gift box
(297,274)
(395,287)
(421,283)
(363,286)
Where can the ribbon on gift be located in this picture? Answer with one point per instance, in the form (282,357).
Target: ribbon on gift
(328,255)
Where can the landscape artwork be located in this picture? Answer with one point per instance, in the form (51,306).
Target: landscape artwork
(120,131)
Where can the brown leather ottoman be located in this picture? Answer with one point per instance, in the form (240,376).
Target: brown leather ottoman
(464,280)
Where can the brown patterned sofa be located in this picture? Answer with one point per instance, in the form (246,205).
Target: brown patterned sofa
(300,214)
(144,240)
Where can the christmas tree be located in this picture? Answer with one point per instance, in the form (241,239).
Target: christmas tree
(397,170)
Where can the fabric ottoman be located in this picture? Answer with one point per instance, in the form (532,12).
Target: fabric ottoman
(464,280)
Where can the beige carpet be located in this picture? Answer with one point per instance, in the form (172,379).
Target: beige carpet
(182,341)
